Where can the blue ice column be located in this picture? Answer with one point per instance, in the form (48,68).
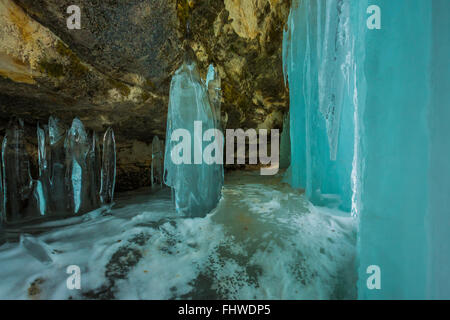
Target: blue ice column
(438,218)
(318,55)
(197,184)
(394,134)
(77,147)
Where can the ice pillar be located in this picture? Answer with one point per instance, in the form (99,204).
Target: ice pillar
(196,181)
(59,198)
(94,165)
(394,142)
(22,197)
(77,146)
(438,218)
(108,179)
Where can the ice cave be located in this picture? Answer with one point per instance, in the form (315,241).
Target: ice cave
(115,158)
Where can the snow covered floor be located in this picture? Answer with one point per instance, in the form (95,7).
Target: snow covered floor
(264,241)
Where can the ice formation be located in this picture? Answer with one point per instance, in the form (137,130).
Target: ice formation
(157,162)
(36,248)
(318,64)
(59,200)
(22,198)
(214,87)
(43,163)
(69,177)
(376,101)
(94,165)
(77,148)
(15,172)
(108,167)
(197,187)
(404,217)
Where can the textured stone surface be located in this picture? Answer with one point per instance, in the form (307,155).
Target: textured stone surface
(116,70)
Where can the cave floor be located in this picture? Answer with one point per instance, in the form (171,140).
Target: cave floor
(263,241)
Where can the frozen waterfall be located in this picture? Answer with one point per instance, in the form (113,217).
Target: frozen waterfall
(369,132)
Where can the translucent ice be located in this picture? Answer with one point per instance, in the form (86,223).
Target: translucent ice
(157,162)
(318,60)
(213,85)
(36,248)
(77,146)
(94,163)
(404,116)
(334,49)
(381,99)
(18,185)
(197,186)
(43,183)
(59,200)
(108,177)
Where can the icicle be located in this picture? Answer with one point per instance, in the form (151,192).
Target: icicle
(59,199)
(18,185)
(213,84)
(108,177)
(334,68)
(77,147)
(94,163)
(318,56)
(42,186)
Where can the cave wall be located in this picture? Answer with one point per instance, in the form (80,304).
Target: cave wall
(116,70)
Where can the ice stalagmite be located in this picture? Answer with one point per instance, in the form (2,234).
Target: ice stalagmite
(59,200)
(94,163)
(157,162)
(17,182)
(108,177)
(77,146)
(196,180)
(43,183)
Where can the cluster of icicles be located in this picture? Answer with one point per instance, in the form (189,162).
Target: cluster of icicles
(75,175)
